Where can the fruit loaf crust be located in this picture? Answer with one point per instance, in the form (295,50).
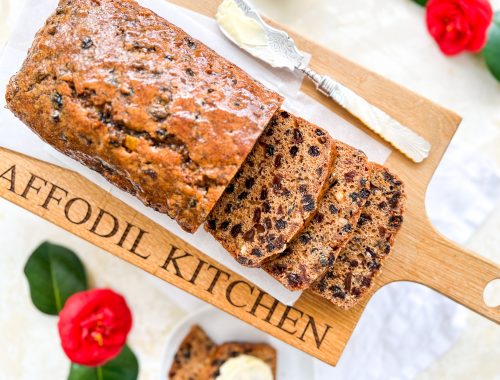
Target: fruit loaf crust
(227,351)
(310,255)
(156,112)
(189,361)
(276,191)
(361,260)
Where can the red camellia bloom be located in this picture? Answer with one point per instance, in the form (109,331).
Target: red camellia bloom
(459,25)
(93,326)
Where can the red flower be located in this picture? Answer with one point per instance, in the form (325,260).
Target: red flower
(459,25)
(93,326)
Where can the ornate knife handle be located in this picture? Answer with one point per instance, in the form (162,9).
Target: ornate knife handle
(402,138)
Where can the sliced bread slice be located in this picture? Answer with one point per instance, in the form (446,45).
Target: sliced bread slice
(276,191)
(360,261)
(227,351)
(190,359)
(310,255)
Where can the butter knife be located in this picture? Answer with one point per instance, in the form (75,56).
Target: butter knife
(277,48)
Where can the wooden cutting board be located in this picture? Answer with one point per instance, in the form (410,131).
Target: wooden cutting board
(313,325)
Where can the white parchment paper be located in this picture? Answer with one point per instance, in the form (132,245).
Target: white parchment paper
(18,137)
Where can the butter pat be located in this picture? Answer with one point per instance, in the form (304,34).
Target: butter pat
(245,367)
(244,31)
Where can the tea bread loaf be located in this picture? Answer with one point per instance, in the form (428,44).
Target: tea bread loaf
(275,192)
(311,254)
(156,112)
(190,359)
(227,351)
(360,261)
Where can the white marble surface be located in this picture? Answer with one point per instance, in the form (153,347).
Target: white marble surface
(389,39)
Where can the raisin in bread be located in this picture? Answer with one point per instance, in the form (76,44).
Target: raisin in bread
(116,87)
(189,361)
(360,261)
(275,192)
(311,254)
(231,350)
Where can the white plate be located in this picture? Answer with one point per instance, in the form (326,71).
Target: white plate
(221,327)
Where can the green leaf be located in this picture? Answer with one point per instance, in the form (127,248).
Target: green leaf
(421,2)
(124,367)
(491,51)
(54,273)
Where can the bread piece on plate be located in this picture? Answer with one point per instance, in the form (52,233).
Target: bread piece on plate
(227,351)
(189,361)
(276,191)
(361,260)
(160,115)
(310,255)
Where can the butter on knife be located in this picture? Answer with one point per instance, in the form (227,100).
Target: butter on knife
(244,30)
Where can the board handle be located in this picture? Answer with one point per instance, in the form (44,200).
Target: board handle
(453,271)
